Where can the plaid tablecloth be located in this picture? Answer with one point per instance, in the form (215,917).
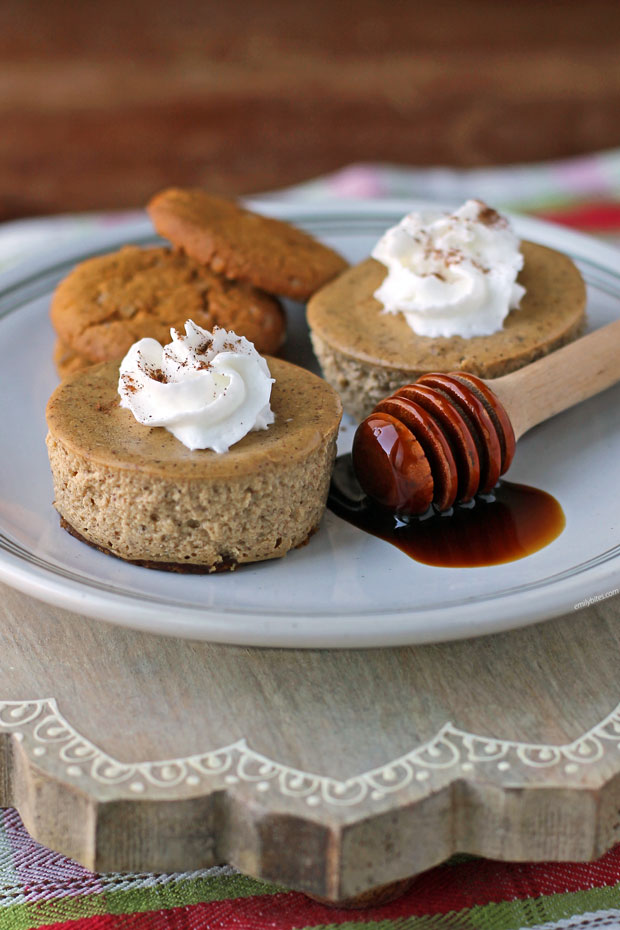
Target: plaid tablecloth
(39,888)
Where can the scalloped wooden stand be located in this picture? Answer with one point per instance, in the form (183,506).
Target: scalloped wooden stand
(327,771)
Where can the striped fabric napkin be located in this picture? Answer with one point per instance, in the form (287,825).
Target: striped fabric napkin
(580,192)
(39,888)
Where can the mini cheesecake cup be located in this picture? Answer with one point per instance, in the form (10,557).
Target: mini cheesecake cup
(366,354)
(136,492)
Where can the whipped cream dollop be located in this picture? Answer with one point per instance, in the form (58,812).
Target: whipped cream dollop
(451,274)
(208,389)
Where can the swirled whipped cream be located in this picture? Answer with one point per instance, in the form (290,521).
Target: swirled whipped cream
(451,274)
(208,389)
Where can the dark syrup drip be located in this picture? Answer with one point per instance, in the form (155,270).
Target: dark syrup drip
(510,523)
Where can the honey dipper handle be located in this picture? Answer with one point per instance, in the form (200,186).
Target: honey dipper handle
(560,380)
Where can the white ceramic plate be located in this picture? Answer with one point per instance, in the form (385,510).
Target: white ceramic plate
(346,588)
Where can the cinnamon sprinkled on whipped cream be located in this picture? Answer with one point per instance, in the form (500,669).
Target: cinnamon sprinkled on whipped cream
(451,274)
(208,389)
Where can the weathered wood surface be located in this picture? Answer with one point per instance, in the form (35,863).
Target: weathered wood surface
(328,771)
(101,105)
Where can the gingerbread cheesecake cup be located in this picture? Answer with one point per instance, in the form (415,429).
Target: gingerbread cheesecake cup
(137,492)
(367,351)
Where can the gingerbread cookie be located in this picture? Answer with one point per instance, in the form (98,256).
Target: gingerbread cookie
(107,303)
(268,253)
(66,360)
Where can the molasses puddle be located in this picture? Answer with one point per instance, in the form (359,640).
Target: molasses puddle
(512,522)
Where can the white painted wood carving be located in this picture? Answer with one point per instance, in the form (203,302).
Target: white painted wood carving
(450,753)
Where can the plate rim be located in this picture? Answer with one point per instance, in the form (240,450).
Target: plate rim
(188,621)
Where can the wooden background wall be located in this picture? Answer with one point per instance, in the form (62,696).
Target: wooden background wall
(103,103)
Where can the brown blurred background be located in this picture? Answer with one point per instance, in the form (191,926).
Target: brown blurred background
(103,103)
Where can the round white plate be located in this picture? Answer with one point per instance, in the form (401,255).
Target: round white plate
(345,588)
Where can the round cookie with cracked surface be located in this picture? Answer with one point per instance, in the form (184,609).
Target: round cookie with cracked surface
(109,302)
(66,360)
(268,253)
(138,493)
(367,354)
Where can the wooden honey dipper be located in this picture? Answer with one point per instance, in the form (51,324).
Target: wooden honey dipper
(450,436)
